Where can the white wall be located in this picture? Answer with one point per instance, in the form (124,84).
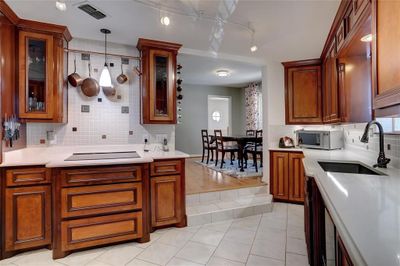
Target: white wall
(105,118)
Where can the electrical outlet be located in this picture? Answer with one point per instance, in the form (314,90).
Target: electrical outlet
(160,138)
(145,137)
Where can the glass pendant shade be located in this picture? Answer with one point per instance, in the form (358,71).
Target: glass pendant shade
(105,77)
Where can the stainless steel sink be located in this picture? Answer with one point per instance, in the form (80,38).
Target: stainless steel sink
(348,167)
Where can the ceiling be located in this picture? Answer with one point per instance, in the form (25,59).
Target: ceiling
(202,70)
(284,30)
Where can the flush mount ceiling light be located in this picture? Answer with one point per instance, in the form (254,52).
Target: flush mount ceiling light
(61,5)
(367,38)
(165,20)
(223,73)
(105,77)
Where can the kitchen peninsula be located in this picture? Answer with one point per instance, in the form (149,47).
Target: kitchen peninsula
(51,201)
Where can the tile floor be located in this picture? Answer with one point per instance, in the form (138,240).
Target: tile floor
(274,238)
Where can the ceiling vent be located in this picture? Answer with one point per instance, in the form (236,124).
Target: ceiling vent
(92,11)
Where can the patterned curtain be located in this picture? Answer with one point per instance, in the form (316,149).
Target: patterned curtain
(253,106)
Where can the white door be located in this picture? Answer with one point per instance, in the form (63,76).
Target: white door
(219,114)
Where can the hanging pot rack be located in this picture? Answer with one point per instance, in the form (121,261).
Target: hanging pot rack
(100,53)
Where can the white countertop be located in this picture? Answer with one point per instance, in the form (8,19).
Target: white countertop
(364,208)
(55,156)
(277,148)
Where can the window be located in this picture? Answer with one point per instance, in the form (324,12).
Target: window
(390,124)
(216,116)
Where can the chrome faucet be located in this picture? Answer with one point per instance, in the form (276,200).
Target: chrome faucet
(382,160)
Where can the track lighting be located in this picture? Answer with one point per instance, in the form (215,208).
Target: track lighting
(253,47)
(61,5)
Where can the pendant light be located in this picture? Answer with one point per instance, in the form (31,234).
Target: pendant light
(105,77)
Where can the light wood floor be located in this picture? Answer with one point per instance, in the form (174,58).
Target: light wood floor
(203,179)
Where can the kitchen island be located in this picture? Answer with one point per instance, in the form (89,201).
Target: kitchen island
(364,208)
(49,200)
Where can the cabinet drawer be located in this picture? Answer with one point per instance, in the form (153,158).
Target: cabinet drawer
(28,176)
(100,175)
(103,199)
(165,168)
(89,232)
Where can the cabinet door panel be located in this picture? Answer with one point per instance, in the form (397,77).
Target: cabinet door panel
(36,75)
(303,95)
(331,91)
(28,217)
(280,175)
(296,177)
(386,53)
(165,200)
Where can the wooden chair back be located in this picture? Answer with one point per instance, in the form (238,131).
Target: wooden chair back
(205,138)
(250,132)
(218,139)
(259,134)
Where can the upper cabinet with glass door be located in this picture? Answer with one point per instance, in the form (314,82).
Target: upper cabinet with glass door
(42,74)
(158,81)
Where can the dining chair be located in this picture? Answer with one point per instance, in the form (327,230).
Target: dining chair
(255,149)
(250,132)
(222,148)
(207,146)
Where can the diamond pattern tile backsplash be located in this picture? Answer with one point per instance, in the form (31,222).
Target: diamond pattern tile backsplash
(105,117)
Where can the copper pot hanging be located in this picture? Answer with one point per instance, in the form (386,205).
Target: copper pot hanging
(75,79)
(90,87)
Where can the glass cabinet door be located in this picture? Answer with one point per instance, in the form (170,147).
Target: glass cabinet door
(162,80)
(36,75)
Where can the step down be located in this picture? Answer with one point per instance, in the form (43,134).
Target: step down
(210,207)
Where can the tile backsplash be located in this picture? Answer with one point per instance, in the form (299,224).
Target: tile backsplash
(370,150)
(352,135)
(101,119)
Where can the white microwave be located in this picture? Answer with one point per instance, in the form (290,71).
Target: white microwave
(320,139)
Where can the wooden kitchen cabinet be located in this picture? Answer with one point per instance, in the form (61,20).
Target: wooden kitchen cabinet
(25,209)
(99,205)
(287,176)
(324,243)
(165,200)
(27,217)
(296,177)
(280,175)
(330,88)
(42,67)
(386,57)
(342,256)
(158,81)
(167,193)
(303,95)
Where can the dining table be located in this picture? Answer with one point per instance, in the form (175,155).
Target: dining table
(242,141)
